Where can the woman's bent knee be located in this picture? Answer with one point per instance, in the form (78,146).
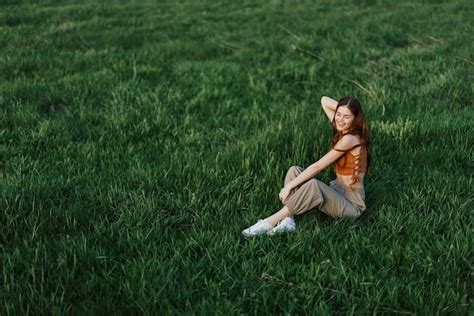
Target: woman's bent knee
(293,169)
(292,173)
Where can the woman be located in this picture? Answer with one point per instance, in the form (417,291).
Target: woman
(345,196)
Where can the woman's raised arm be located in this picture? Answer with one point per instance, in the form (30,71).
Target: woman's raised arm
(329,106)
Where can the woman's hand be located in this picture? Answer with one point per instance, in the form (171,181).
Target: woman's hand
(284,193)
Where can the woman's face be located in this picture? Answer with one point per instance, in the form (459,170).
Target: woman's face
(343,118)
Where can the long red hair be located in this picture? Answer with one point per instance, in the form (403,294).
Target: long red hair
(358,127)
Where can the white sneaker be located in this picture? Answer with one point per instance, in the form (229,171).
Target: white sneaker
(286,225)
(262,226)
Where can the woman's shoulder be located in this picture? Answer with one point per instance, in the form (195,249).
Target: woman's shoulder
(346,143)
(350,143)
(351,140)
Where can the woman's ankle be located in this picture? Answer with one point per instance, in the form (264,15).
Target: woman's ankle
(270,222)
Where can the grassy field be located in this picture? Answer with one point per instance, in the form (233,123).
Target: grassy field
(138,138)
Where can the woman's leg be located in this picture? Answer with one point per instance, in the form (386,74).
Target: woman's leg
(314,193)
(292,173)
(278,216)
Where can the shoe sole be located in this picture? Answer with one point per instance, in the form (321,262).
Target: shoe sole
(250,236)
(281,232)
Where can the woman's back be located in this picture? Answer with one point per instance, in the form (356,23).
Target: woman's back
(351,167)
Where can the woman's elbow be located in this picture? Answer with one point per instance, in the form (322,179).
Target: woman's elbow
(323,98)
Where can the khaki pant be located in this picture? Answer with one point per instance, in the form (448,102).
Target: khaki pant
(336,200)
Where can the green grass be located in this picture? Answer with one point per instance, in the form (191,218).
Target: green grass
(138,138)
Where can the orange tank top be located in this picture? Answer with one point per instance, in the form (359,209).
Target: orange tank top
(349,164)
